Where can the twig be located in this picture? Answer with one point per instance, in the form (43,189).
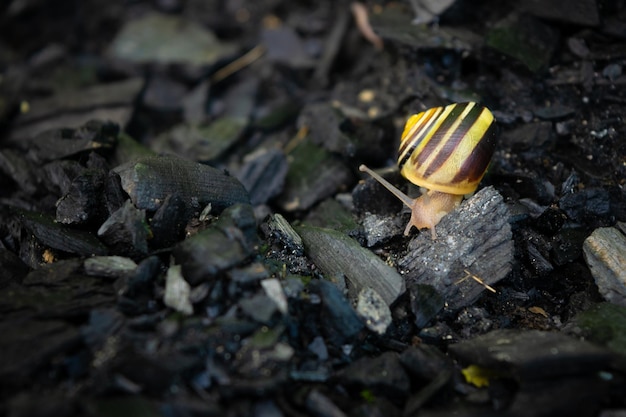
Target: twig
(361,17)
(238,64)
(300,136)
(477,279)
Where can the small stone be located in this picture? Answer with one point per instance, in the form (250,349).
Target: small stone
(318,347)
(275,292)
(177,291)
(373,310)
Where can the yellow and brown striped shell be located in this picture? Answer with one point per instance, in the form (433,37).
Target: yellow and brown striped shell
(448,149)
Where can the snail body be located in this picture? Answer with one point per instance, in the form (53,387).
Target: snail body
(447,151)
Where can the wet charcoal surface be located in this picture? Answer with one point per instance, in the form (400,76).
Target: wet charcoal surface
(184,229)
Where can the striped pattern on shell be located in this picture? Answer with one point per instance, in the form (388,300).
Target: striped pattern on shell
(448,149)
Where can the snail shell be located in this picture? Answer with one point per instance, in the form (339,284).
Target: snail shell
(446,150)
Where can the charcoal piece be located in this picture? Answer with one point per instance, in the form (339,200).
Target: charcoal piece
(128,149)
(426,303)
(318,404)
(259,308)
(339,255)
(103,323)
(278,229)
(286,46)
(142,280)
(20,170)
(580,12)
(164,95)
(113,194)
(168,40)
(59,289)
(370,196)
(194,103)
(41,404)
(126,231)
(538,190)
(567,245)
(202,142)
(263,174)
(58,236)
(59,175)
(550,221)
(532,354)
(524,38)
(261,353)
(605,254)
(538,263)
(12,269)
(603,324)
(342,323)
(474,247)
(384,375)
(97,162)
(82,204)
(581,396)
(425,363)
(110,101)
(209,252)
(324,124)
(54,274)
(72,298)
(589,206)
(314,174)
(380,229)
(241,218)
(29,345)
(148,181)
(62,143)
(334,214)
(276,114)
(152,374)
(250,274)
(168,223)
(112,267)
(402,28)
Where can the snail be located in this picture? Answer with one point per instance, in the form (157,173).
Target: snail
(447,151)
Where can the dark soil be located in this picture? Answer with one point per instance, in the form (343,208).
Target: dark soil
(184,229)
